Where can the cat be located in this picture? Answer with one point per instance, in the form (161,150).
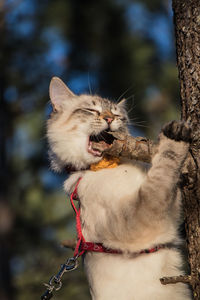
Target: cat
(127,208)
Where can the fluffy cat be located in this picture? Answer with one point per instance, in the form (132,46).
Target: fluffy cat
(126,208)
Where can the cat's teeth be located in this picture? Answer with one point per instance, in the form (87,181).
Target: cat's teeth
(92,151)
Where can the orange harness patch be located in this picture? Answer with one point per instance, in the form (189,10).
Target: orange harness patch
(105,163)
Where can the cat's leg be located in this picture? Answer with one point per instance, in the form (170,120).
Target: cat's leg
(160,187)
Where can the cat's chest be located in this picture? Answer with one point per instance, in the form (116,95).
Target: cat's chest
(102,196)
(108,186)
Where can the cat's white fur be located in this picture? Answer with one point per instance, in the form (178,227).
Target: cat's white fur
(111,212)
(124,276)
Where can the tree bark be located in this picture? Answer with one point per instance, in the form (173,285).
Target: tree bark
(187,32)
(126,146)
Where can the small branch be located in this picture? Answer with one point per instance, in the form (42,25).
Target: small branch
(126,146)
(69,244)
(139,149)
(176,279)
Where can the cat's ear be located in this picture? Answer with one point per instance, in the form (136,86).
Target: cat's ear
(59,93)
(122,103)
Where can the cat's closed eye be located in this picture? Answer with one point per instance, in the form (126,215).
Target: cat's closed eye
(93,111)
(122,118)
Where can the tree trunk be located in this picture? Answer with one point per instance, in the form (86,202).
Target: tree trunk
(187,32)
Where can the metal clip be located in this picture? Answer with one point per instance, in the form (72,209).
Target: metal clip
(72,263)
(55,282)
(48,293)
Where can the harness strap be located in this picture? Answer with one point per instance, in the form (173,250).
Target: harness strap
(98,247)
(80,237)
(82,246)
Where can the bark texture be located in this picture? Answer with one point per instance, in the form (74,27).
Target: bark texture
(187,32)
(137,148)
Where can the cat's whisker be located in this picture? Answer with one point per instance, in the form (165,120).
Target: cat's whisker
(134,122)
(140,125)
(126,91)
(137,120)
(132,106)
(131,96)
(131,109)
(89,85)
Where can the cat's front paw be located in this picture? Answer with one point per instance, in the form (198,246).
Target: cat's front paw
(178,131)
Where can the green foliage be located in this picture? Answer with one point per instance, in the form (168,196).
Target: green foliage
(92,45)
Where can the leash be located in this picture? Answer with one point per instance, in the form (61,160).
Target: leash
(71,264)
(82,246)
(55,282)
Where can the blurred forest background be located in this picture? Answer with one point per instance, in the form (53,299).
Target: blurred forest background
(109,47)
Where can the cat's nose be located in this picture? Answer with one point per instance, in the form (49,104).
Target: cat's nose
(108,120)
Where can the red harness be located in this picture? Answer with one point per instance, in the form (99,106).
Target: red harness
(82,246)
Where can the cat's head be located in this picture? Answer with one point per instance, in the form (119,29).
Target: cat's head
(76,122)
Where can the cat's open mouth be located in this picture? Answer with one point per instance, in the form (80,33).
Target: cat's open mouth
(99,143)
